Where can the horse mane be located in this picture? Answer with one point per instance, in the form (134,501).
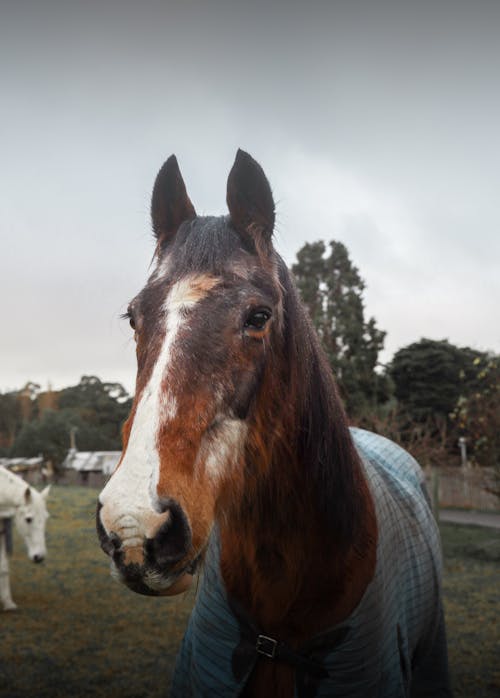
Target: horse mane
(301,437)
(323,441)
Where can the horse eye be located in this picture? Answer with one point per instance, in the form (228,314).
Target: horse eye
(257,319)
(29,519)
(130,317)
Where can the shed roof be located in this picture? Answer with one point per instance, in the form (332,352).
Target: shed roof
(92,461)
(21,464)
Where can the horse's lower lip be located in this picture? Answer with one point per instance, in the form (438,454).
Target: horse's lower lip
(181,583)
(136,579)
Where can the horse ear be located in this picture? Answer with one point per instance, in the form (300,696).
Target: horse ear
(27,495)
(170,204)
(45,492)
(249,199)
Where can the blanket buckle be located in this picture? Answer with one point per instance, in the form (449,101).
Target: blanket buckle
(266,645)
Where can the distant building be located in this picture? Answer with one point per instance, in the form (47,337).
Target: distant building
(31,469)
(89,467)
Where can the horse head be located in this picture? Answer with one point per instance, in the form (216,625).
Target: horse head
(30,518)
(208,328)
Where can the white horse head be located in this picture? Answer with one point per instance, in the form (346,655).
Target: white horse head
(30,518)
(28,508)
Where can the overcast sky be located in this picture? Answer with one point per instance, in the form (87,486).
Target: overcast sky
(376,122)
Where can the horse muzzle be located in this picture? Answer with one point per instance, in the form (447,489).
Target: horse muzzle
(149,561)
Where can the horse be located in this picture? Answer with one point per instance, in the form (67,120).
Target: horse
(27,507)
(320,554)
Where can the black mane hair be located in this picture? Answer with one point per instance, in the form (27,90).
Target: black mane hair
(323,444)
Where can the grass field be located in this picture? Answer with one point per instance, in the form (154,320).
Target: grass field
(472,606)
(77,633)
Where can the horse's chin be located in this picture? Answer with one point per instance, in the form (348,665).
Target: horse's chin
(180,585)
(149,584)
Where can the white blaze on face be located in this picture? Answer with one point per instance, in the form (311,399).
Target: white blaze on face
(129,497)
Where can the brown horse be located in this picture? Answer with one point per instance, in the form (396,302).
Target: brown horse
(237,435)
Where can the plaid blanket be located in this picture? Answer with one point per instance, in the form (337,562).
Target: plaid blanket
(394,642)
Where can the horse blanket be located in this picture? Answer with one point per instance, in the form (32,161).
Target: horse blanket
(393,644)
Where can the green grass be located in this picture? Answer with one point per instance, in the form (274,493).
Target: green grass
(472,603)
(78,633)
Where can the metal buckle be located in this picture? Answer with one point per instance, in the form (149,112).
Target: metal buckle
(266,645)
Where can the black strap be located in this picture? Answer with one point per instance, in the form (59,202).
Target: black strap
(274,649)
(254,644)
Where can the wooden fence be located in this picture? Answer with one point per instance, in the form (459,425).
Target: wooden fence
(462,488)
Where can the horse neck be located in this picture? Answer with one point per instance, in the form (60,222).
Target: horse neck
(12,489)
(298,544)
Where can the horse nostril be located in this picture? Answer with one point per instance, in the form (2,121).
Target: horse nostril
(115,540)
(38,558)
(173,539)
(110,544)
(163,504)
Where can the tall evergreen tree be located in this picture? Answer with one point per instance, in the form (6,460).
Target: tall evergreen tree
(332,289)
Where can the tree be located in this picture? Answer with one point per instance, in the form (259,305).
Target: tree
(104,406)
(10,418)
(94,410)
(430,376)
(332,289)
(27,397)
(48,436)
(16,408)
(477,413)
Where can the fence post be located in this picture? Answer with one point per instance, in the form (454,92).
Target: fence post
(435,492)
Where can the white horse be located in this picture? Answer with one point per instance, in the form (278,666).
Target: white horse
(28,509)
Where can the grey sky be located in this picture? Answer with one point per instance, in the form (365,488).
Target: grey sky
(376,123)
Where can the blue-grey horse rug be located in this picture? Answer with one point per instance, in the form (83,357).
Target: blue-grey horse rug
(393,644)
